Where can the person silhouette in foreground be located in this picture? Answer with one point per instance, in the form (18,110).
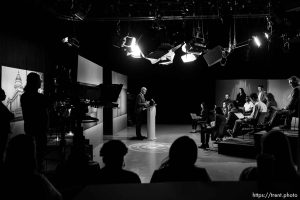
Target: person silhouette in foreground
(21,179)
(180,165)
(5,117)
(275,161)
(112,153)
(76,172)
(35,113)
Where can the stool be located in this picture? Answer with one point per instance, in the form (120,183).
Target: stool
(295,123)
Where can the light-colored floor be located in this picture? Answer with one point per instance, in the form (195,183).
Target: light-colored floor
(145,156)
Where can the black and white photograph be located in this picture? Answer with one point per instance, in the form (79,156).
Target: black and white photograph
(149,99)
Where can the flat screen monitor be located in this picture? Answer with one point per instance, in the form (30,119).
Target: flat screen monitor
(13,81)
(88,72)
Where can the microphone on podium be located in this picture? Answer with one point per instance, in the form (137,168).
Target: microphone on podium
(152,102)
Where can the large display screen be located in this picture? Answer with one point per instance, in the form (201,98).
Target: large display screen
(88,72)
(13,81)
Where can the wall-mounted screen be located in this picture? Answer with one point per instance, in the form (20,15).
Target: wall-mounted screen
(13,81)
(88,72)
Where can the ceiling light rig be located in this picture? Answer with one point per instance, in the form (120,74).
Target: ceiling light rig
(131,47)
(71,42)
(164,55)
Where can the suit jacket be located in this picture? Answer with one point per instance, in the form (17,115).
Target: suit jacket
(140,103)
(262,96)
(293,105)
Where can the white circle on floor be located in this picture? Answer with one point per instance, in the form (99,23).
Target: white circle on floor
(155,147)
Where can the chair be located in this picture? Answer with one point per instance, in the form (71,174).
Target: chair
(295,124)
(197,118)
(256,126)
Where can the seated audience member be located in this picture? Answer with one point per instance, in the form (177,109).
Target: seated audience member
(227,99)
(215,129)
(271,106)
(112,153)
(241,97)
(180,165)
(225,109)
(258,109)
(230,120)
(21,179)
(292,109)
(5,117)
(275,161)
(202,117)
(248,106)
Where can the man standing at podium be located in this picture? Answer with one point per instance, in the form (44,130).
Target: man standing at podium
(140,105)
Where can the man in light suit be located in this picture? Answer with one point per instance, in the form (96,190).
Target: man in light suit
(140,105)
(261,94)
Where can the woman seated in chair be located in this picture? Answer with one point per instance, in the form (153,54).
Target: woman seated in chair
(201,118)
(271,106)
(248,106)
(230,119)
(215,129)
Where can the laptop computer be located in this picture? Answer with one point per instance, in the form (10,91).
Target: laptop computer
(194,116)
(240,115)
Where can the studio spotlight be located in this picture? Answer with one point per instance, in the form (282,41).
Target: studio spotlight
(193,47)
(267,35)
(131,47)
(71,42)
(256,41)
(188,58)
(184,48)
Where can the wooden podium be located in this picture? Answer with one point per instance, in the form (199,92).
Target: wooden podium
(151,113)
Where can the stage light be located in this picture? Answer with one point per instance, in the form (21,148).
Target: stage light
(267,35)
(183,48)
(131,47)
(135,51)
(256,41)
(65,40)
(164,55)
(188,58)
(71,42)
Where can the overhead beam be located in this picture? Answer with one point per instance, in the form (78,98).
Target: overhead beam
(164,18)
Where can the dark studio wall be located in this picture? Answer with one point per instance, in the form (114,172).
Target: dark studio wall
(32,42)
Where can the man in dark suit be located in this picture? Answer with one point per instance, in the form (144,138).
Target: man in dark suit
(292,109)
(140,105)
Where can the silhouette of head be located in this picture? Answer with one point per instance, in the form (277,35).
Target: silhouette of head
(33,82)
(275,143)
(2,95)
(253,97)
(113,153)
(293,81)
(20,154)
(183,152)
(270,97)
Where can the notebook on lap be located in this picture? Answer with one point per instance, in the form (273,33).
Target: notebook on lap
(240,115)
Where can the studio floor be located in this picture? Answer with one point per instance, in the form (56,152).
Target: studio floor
(144,156)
